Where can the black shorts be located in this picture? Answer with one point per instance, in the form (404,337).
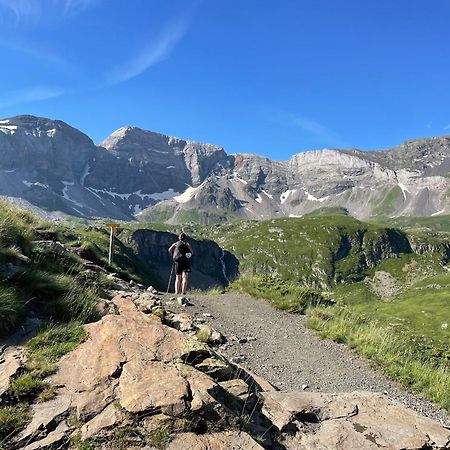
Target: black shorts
(182,265)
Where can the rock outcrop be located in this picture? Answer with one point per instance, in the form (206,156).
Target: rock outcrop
(357,420)
(12,360)
(134,371)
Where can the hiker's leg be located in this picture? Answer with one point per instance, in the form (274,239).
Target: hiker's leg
(178,283)
(185,281)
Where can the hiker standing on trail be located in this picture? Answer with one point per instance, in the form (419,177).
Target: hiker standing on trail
(181,252)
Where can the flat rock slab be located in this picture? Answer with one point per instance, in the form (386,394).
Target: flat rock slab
(226,440)
(154,385)
(44,415)
(11,361)
(110,417)
(51,440)
(357,420)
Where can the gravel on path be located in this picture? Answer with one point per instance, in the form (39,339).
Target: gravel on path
(277,346)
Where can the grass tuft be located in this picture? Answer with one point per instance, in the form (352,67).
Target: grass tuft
(26,386)
(11,309)
(202,335)
(160,437)
(53,342)
(12,420)
(281,294)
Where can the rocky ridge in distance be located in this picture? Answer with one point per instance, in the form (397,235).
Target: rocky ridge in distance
(136,173)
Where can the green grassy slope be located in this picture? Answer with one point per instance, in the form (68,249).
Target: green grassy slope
(399,320)
(316,250)
(415,301)
(49,279)
(436,223)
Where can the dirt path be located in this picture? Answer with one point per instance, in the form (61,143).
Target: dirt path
(278,346)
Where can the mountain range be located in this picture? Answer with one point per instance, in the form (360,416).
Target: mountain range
(135,173)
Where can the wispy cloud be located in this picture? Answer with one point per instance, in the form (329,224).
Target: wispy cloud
(317,132)
(157,50)
(429,124)
(41,54)
(29,95)
(447,127)
(73,7)
(22,10)
(328,136)
(32,11)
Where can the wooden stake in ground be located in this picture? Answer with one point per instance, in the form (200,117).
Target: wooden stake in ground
(112,227)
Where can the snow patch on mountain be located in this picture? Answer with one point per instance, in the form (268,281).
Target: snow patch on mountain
(315,199)
(442,211)
(404,189)
(161,196)
(188,194)
(8,129)
(86,172)
(284,196)
(66,195)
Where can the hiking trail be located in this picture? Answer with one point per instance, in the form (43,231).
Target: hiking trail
(278,346)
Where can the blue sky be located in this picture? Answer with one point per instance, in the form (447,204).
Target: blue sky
(260,76)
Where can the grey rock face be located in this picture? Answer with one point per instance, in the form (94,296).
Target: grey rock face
(48,164)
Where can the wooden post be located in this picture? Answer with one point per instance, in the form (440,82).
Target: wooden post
(112,227)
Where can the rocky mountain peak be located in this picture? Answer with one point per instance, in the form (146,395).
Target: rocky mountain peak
(41,145)
(128,138)
(39,127)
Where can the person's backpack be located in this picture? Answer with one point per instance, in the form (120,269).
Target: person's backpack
(181,249)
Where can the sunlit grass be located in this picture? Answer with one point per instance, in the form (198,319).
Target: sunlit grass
(400,356)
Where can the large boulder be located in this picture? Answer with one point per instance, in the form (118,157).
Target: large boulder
(348,421)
